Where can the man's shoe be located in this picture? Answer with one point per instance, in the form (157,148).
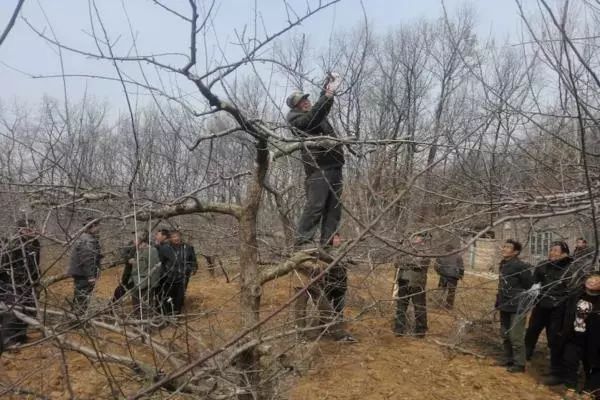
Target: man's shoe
(553,380)
(398,329)
(305,246)
(347,338)
(516,369)
(505,363)
(21,339)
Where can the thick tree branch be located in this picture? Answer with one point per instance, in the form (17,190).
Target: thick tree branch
(11,21)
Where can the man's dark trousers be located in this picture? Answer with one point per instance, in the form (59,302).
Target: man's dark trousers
(83,289)
(174,295)
(336,286)
(323,193)
(550,318)
(448,285)
(417,295)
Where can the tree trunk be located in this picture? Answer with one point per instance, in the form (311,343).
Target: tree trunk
(251,290)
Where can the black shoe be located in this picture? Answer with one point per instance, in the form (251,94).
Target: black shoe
(347,338)
(20,340)
(553,380)
(399,332)
(505,363)
(516,369)
(305,246)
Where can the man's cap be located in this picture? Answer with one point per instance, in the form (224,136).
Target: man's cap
(25,223)
(592,285)
(142,236)
(295,98)
(92,220)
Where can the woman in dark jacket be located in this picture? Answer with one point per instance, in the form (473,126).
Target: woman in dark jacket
(552,276)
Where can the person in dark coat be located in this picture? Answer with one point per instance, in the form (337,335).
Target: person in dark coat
(515,279)
(336,282)
(84,266)
(553,277)
(180,259)
(411,286)
(166,256)
(327,294)
(185,254)
(125,253)
(451,269)
(322,164)
(19,274)
(583,262)
(581,332)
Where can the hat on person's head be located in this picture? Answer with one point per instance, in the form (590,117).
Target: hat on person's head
(295,98)
(25,223)
(592,285)
(91,221)
(142,236)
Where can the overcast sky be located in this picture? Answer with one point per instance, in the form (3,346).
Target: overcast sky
(158,32)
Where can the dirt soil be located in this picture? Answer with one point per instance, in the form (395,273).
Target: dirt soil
(380,366)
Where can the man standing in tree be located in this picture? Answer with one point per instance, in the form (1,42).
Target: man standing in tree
(84,265)
(322,164)
(411,283)
(516,278)
(19,273)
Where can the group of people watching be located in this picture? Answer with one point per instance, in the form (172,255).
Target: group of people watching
(156,273)
(563,295)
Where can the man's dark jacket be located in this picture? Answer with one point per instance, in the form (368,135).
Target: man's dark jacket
(516,277)
(126,253)
(314,123)
(177,261)
(85,257)
(450,266)
(166,255)
(555,279)
(20,262)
